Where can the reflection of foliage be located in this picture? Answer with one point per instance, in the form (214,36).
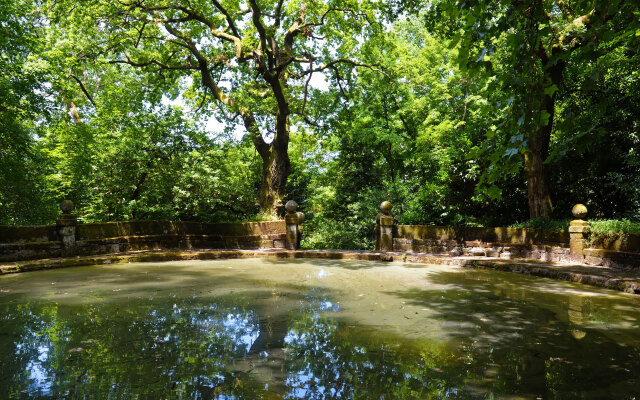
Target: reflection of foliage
(503,339)
(514,343)
(121,351)
(331,360)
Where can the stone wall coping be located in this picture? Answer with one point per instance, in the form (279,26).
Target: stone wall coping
(46,233)
(186,235)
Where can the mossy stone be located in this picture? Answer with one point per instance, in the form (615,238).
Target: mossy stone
(291,206)
(66,206)
(579,211)
(386,207)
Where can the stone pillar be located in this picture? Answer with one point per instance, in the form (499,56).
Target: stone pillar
(578,232)
(293,220)
(66,224)
(384,228)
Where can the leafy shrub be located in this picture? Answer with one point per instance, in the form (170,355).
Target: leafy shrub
(555,225)
(607,231)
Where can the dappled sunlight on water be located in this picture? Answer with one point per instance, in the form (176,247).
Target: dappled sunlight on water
(313,329)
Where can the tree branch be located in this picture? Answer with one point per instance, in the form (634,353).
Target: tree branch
(84,89)
(278,14)
(256,17)
(343,10)
(232,25)
(306,89)
(197,110)
(333,63)
(129,61)
(193,16)
(247,116)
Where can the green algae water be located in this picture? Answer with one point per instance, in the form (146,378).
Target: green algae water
(312,329)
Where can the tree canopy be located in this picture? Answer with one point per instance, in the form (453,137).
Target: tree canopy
(487,112)
(252,60)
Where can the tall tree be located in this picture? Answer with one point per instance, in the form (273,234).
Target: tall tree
(253,59)
(534,41)
(24,107)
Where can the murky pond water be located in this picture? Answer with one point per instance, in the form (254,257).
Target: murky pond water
(312,329)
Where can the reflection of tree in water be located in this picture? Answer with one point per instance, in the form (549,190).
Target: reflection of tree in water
(268,342)
(177,349)
(330,360)
(532,341)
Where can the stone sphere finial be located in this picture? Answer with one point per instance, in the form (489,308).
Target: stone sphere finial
(66,206)
(386,207)
(579,211)
(291,206)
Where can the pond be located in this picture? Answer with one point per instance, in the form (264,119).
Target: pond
(312,329)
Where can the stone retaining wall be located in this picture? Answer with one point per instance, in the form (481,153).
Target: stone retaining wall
(487,235)
(33,242)
(612,258)
(507,243)
(512,243)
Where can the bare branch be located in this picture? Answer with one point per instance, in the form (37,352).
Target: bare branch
(339,80)
(232,25)
(343,10)
(144,24)
(332,64)
(84,89)
(162,65)
(278,13)
(256,17)
(306,88)
(312,123)
(197,110)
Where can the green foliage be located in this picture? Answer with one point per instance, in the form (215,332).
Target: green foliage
(544,223)
(23,109)
(536,55)
(437,122)
(605,232)
(344,201)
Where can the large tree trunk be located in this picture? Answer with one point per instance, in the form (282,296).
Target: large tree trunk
(538,145)
(275,171)
(537,187)
(534,158)
(537,174)
(275,161)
